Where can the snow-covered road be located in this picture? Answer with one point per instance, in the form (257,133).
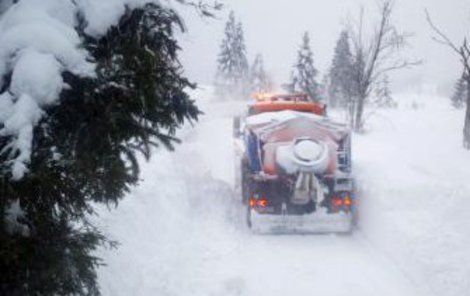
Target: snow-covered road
(182,232)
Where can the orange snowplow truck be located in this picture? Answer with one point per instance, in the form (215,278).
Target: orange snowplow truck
(294,166)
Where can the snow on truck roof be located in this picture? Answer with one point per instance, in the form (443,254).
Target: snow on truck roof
(270,125)
(270,117)
(280,117)
(286,115)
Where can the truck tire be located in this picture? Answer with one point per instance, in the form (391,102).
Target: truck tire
(236,127)
(248,216)
(246,182)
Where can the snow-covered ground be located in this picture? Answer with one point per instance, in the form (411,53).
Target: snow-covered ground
(182,231)
(414,175)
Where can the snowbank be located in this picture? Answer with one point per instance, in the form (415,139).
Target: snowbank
(413,175)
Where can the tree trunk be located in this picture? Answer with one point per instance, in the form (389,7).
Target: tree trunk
(466,129)
(359,112)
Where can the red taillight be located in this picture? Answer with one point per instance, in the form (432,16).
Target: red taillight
(262,202)
(337,202)
(343,201)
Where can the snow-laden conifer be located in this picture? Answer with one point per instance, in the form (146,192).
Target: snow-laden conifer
(459,96)
(85,87)
(259,79)
(232,64)
(303,77)
(384,98)
(340,86)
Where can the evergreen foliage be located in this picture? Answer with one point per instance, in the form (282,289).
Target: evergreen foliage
(232,69)
(259,80)
(340,87)
(85,152)
(459,98)
(384,94)
(303,77)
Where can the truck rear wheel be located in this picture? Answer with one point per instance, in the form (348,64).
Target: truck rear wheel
(248,216)
(246,182)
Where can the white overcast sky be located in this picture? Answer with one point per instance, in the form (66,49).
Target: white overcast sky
(274,28)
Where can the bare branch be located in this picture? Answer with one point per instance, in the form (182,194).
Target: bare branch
(463,51)
(397,66)
(376,57)
(443,39)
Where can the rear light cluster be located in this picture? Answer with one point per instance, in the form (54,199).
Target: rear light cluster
(258,202)
(341,202)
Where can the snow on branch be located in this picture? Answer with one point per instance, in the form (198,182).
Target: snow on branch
(37,43)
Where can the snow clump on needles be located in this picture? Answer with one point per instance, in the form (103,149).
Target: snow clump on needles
(38,42)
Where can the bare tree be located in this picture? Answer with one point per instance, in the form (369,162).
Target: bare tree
(374,57)
(463,51)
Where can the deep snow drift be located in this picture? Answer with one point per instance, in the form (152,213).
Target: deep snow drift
(182,231)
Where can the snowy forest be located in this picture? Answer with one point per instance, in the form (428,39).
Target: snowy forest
(234,148)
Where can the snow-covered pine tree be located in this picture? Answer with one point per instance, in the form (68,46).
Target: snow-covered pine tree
(384,94)
(340,86)
(303,77)
(459,98)
(225,66)
(83,149)
(242,74)
(323,87)
(232,69)
(259,79)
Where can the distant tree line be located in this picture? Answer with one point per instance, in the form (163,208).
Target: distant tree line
(358,72)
